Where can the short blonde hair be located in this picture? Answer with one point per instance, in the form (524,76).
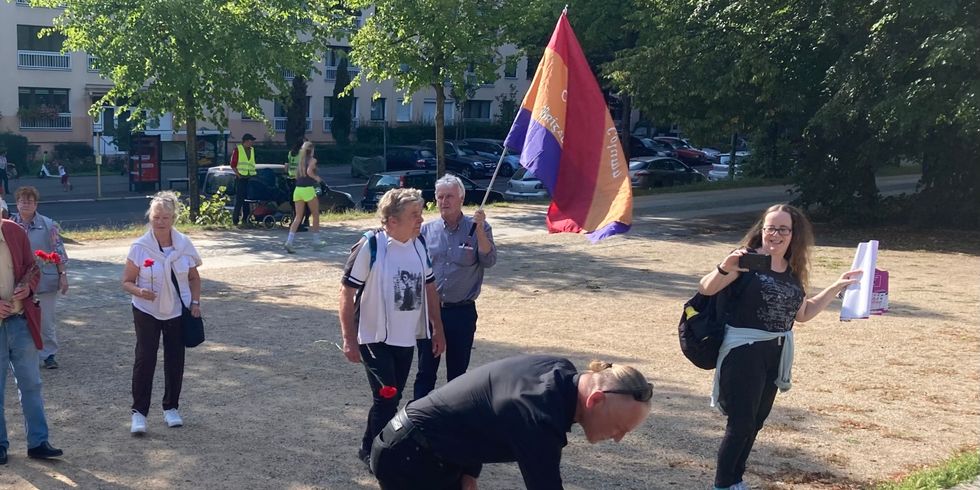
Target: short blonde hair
(166,200)
(396,200)
(621,379)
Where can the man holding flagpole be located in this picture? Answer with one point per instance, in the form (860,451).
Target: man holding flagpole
(461,248)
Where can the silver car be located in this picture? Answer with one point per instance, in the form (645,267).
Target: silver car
(524,186)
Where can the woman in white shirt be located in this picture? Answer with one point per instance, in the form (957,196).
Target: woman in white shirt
(156,262)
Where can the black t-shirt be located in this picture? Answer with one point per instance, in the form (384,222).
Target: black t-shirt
(515,409)
(765,300)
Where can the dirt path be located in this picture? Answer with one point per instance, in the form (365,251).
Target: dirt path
(266,406)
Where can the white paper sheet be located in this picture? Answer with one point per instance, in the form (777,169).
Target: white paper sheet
(857,297)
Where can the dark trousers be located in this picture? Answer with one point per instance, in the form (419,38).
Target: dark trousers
(241,207)
(386,365)
(148,330)
(401,462)
(459,325)
(3,180)
(747,394)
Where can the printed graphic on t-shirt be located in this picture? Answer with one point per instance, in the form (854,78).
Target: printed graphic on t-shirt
(408,290)
(780,302)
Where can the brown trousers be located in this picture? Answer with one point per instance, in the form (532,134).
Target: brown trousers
(148,330)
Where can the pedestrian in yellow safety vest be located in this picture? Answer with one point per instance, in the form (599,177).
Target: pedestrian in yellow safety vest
(243,163)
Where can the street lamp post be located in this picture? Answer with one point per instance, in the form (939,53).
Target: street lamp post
(98,164)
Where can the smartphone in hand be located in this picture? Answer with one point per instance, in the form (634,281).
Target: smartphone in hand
(755,262)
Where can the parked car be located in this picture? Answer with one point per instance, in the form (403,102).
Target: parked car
(719,171)
(661,171)
(409,158)
(423,180)
(270,184)
(462,161)
(685,152)
(525,186)
(646,147)
(491,148)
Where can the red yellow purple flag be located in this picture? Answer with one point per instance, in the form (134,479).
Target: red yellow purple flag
(567,139)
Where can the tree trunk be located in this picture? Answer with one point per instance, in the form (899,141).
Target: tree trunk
(192,185)
(440,129)
(624,122)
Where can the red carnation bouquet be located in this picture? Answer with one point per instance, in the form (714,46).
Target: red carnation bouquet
(47,258)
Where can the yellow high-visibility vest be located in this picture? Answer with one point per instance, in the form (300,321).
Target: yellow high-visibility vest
(246,163)
(292,162)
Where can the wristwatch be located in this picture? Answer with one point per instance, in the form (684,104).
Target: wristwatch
(62,273)
(195,302)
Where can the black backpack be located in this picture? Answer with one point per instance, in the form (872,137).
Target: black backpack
(702,328)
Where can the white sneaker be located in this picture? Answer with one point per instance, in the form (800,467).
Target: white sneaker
(172,417)
(138,426)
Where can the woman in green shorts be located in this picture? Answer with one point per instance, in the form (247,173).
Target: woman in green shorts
(305,195)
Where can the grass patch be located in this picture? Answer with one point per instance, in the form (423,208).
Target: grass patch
(135,230)
(963,467)
(713,186)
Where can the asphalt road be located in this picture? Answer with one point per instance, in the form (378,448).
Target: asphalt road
(79,209)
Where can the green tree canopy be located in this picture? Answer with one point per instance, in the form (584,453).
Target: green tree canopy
(428,43)
(197,58)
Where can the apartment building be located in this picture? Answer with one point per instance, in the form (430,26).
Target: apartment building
(46,95)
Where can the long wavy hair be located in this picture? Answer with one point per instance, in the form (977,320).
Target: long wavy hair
(798,253)
(305,154)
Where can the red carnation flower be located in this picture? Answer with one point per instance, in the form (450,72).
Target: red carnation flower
(55,257)
(388,391)
(39,254)
(148,263)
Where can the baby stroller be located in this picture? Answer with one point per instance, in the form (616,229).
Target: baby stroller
(270,200)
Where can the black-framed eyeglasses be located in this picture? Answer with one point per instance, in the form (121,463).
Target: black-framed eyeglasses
(642,395)
(782,230)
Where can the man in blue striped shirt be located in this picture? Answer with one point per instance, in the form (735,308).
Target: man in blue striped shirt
(460,247)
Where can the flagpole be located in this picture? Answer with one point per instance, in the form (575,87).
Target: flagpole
(490,185)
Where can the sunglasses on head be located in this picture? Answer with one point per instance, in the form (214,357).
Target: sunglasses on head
(642,395)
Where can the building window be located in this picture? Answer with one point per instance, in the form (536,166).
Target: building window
(378,109)
(476,109)
(404,111)
(43,108)
(429,111)
(279,121)
(40,54)
(510,67)
(332,58)
(328,103)
(532,66)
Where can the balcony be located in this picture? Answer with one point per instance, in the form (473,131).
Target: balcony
(60,123)
(331,72)
(43,60)
(280,124)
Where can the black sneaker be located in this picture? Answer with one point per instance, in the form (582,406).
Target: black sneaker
(365,457)
(44,451)
(50,363)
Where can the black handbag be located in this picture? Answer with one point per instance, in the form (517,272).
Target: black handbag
(702,328)
(192,327)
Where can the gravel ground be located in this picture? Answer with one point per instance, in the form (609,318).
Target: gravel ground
(268,406)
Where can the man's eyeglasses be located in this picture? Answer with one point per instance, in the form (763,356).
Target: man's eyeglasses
(642,395)
(782,230)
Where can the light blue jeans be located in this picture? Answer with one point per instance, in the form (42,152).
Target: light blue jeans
(18,352)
